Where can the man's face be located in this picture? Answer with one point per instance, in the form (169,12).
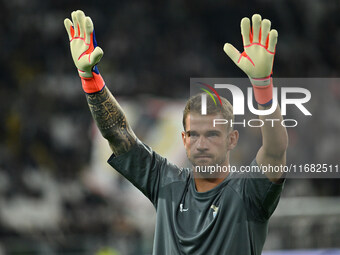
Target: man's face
(205,144)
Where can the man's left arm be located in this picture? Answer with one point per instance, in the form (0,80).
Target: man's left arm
(274,144)
(259,42)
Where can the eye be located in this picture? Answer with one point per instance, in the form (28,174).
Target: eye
(192,134)
(213,134)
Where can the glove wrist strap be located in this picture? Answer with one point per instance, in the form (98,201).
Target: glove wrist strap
(263,90)
(261,81)
(92,84)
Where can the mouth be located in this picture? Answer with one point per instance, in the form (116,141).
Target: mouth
(202,156)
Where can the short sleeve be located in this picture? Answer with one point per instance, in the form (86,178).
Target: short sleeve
(261,195)
(144,168)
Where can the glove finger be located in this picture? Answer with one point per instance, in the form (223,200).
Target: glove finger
(245,31)
(232,52)
(96,56)
(88,30)
(256,20)
(69,28)
(265,28)
(81,21)
(272,40)
(75,24)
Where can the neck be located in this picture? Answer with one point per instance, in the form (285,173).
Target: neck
(206,181)
(204,184)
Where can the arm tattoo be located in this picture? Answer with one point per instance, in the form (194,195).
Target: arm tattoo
(111,121)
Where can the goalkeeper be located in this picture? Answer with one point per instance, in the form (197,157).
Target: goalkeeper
(196,214)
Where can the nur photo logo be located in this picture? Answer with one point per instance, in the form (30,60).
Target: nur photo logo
(243,103)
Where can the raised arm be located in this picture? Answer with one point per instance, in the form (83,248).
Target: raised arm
(257,62)
(111,121)
(105,110)
(274,143)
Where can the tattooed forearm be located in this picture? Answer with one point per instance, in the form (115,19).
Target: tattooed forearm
(111,121)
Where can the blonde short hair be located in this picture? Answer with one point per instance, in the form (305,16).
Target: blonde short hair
(194,106)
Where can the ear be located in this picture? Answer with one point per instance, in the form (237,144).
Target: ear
(183,138)
(233,139)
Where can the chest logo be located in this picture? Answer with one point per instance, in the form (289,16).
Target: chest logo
(181,209)
(215,210)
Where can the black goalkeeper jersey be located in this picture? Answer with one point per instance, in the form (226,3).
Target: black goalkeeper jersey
(230,219)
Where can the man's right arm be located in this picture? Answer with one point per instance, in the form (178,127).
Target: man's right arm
(105,110)
(111,121)
(136,161)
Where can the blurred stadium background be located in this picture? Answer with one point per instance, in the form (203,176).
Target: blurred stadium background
(58,195)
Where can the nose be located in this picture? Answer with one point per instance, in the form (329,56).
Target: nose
(202,144)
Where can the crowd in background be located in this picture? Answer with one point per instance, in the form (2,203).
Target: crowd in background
(151,49)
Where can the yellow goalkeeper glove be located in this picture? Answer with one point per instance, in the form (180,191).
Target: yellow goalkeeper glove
(85,52)
(258,56)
